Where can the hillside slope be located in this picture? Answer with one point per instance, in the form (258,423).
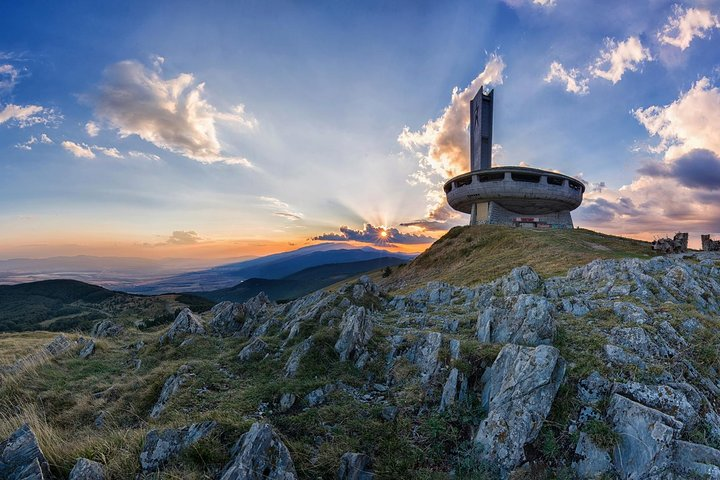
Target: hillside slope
(474,254)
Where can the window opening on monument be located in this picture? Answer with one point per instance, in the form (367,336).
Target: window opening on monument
(576,186)
(555,180)
(491,177)
(525,177)
(448,187)
(464,181)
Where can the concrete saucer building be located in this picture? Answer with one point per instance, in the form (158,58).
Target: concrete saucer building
(518,196)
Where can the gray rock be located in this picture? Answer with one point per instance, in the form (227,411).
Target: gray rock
(631,313)
(293,363)
(590,461)
(525,319)
(593,388)
(21,457)
(255,347)
(619,356)
(389,413)
(106,328)
(227,317)
(424,354)
(696,461)
(162,445)
(690,326)
(261,455)
(520,280)
(634,339)
(454,349)
(186,323)
(287,400)
(100,419)
(646,439)
(355,466)
(450,390)
(85,469)
(660,397)
(519,391)
(172,384)
(318,396)
(88,349)
(257,305)
(59,345)
(357,329)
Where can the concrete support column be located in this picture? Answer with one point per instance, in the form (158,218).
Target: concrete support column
(473,214)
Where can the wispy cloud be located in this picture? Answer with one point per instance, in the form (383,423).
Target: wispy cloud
(281,208)
(171,113)
(8,77)
(572,79)
(34,140)
(28,115)
(78,150)
(181,237)
(92,129)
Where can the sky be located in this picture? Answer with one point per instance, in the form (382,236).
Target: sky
(226,129)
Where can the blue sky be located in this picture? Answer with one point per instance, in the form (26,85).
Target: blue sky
(230,128)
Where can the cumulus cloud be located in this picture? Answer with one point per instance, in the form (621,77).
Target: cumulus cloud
(28,115)
(180,237)
(108,151)
(441,145)
(171,113)
(92,129)
(690,122)
(686,24)
(698,168)
(617,58)
(78,150)
(374,235)
(570,78)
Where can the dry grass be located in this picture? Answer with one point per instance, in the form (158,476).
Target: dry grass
(14,346)
(478,254)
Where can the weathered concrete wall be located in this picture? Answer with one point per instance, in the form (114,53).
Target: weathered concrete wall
(497,215)
(709,245)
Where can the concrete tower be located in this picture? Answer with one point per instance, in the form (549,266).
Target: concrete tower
(481,124)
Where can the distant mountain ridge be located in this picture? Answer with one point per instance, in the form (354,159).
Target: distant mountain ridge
(271,267)
(299,283)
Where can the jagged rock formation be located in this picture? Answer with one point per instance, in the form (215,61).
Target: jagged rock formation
(186,323)
(255,347)
(298,353)
(355,466)
(87,350)
(162,445)
(227,317)
(356,333)
(518,394)
(525,320)
(106,328)
(172,384)
(260,455)
(56,347)
(21,457)
(85,469)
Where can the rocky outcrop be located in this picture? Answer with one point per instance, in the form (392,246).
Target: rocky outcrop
(172,384)
(87,350)
(355,466)
(21,457)
(227,318)
(646,439)
(519,390)
(85,469)
(590,461)
(293,363)
(162,445)
(357,329)
(186,323)
(696,461)
(59,345)
(525,320)
(255,348)
(424,354)
(260,455)
(519,281)
(106,328)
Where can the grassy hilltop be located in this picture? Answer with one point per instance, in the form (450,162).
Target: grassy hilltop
(477,254)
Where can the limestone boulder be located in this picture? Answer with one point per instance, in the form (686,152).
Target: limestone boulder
(85,469)
(357,329)
(260,455)
(87,350)
(227,318)
(106,328)
(520,280)
(171,385)
(519,390)
(355,466)
(590,461)
(692,460)
(525,319)
(255,348)
(660,397)
(424,354)
(186,323)
(646,439)
(21,457)
(293,363)
(162,445)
